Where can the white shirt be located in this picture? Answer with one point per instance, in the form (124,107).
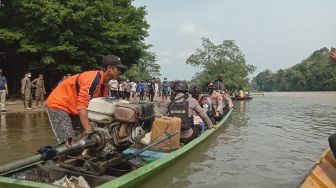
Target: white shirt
(134,86)
(113,85)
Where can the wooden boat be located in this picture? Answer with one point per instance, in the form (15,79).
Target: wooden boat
(323,173)
(151,162)
(246,97)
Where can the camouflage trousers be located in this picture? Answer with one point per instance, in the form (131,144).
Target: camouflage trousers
(2,100)
(39,97)
(27,99)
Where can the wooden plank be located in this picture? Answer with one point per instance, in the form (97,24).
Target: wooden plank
(323,174)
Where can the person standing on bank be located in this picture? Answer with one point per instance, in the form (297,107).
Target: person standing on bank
(67,104)
(40,91)
(113,86)
(26,89)
(165,89)
(3,91)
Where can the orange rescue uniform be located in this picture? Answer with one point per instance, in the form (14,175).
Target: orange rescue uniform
(65,96)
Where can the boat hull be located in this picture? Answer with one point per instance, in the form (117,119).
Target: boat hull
(323,173)
(135,177)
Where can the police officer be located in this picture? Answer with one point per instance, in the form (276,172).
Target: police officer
(182,105)
(26,90)
(40,92)
(216,101)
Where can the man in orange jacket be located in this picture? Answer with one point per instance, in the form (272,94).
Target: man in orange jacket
(67,104)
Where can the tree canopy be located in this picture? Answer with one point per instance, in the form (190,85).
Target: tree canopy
(315,73)
(61,36)
(225,58)
(145,69)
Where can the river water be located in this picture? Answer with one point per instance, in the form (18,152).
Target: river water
(270,141)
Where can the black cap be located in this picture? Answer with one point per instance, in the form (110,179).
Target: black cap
(112,60)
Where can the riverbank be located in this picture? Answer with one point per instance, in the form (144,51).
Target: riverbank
(16,106)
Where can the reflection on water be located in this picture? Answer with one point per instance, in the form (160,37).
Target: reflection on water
(21,134)
(270,141)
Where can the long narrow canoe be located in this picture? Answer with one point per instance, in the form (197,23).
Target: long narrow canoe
(135,177)
(323,173)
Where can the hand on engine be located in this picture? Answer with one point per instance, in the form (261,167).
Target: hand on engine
(88,135)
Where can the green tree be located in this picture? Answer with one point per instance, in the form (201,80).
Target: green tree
(264,81)
(315,73)
(145,69)
(223,58)
(71,36)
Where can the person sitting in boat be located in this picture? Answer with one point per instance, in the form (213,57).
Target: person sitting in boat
(216,100)
(204,101)
(241,93)
(182,105)
(67,104)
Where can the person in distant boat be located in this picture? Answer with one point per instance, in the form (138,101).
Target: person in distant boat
(241,93)
(68,102)
(182,105)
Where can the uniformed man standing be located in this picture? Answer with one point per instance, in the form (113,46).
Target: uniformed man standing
(26,91)
(40,92)
(3,91)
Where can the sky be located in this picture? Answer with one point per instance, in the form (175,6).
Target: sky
(271,34)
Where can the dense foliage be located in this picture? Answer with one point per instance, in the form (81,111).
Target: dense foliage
(223,58)
(316,73)
(71,36)
(145,69)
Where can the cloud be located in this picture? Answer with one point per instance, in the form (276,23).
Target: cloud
(188,28)
(194,30)
(165,61)
(184,54)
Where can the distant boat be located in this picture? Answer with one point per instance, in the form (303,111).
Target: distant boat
(323,173)
(246,97)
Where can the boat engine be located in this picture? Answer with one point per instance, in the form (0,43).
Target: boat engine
(107,125)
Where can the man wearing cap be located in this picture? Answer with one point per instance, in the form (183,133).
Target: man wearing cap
(68,102)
